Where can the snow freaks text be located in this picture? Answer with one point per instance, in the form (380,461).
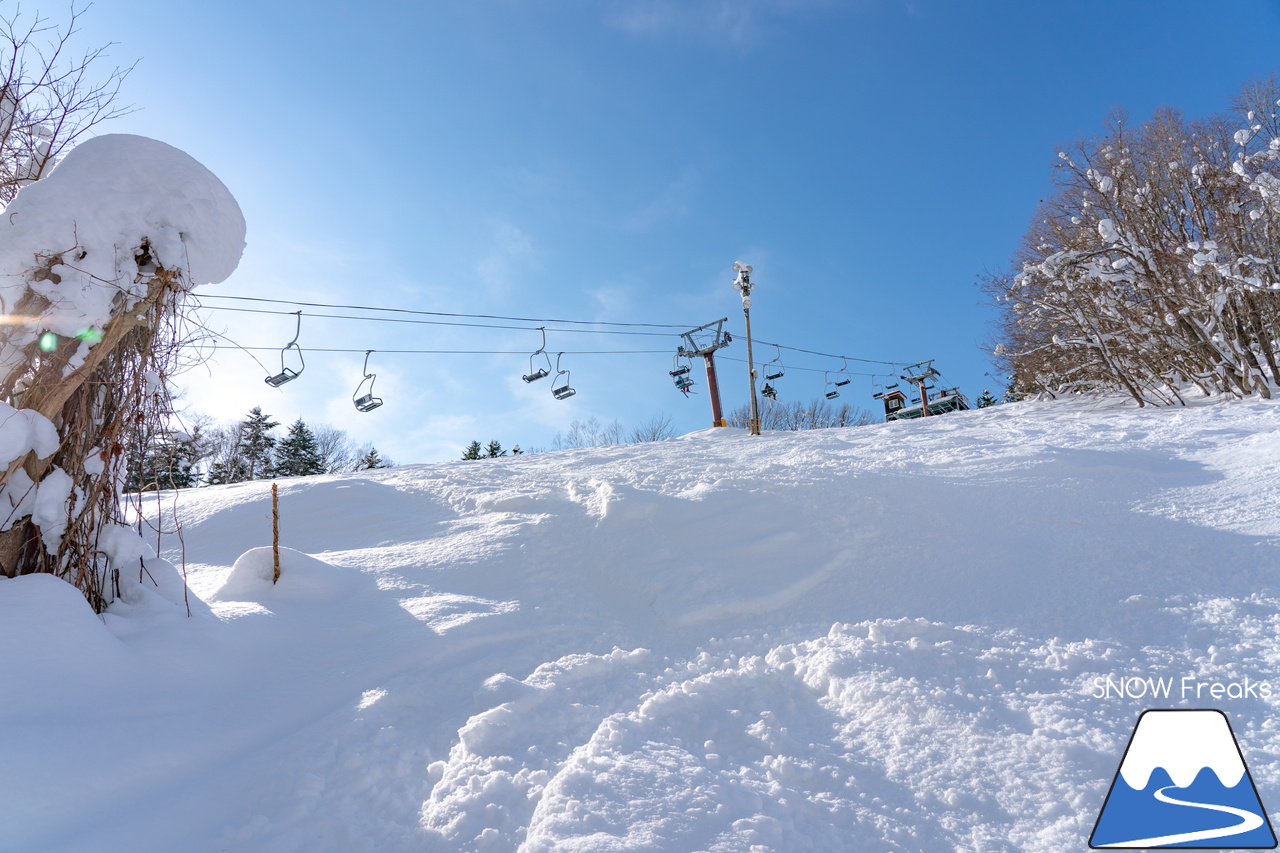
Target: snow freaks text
(1186,687)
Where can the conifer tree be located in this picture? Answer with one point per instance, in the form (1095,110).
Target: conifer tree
(472,451)
(166,464)
(986,399)
(494,450)
(298,455)
(257,444)
(372,459)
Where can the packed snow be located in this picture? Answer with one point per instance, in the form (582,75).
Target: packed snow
(79,228)
(915,636)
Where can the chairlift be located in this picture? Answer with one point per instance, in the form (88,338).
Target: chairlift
(844,371)
(288,374)
(769,392)
(832,393)
(561,392)
(534,375)
(366,402)
(779,372)
(680,375)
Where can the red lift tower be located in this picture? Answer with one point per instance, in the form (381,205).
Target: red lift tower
(704,341)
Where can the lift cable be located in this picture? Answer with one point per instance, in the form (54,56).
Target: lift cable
(445,351)
(791,367)
(893,364)
(204,296)
(439,322)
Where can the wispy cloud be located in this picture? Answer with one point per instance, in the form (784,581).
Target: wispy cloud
(510,253)
(672,202)
(733,20)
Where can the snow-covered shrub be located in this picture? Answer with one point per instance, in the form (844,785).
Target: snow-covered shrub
(96,261)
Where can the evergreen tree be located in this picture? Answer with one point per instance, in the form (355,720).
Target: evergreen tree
(986,399)
(232,470)
(472,451)
(298,455)
(371,459)
(167,463)
(494,450)
(257,444)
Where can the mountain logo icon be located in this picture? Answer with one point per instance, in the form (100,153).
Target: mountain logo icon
(1183,783)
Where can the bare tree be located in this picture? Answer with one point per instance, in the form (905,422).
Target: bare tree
(657,428)
(1153,267)
(588,433)
(50,96)
(337,453)
(799,414)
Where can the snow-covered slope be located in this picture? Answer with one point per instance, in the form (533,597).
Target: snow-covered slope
(903,637)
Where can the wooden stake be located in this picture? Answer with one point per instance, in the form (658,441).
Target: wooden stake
(275,532)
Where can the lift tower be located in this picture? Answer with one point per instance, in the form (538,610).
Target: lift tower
(704,341)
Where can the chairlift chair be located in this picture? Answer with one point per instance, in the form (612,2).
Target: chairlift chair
(832,392)
(776,374)
(561,392)
(769,392)
(534,375)
(288,374)
(679,374)
(366,402)
(844,371)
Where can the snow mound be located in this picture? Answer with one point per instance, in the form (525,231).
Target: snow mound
(302,578)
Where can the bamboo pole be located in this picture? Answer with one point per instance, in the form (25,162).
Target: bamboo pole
(275,532)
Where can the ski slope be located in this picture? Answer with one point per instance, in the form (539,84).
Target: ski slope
(885,638)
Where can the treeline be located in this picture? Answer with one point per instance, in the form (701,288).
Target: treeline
(205,454)
(1153,267)
(820,413)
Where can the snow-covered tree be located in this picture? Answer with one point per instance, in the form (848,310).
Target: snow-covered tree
(297,454)
(168,462)
(987,399)
(1154,265)
(257,444)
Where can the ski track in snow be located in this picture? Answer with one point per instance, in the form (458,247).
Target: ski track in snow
(871,639)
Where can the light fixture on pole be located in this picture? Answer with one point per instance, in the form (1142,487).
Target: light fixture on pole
(743,285)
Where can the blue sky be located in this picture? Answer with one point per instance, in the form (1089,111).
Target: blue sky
(610,160)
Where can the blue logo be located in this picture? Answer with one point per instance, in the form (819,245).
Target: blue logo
(1183,783)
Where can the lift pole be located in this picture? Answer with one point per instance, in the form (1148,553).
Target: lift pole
(713,388)
(743,285)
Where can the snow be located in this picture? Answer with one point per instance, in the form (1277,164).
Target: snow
(895,638)
(93,211)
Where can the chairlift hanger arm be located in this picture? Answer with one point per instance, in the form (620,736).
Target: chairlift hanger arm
(366,402)
(288,374)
